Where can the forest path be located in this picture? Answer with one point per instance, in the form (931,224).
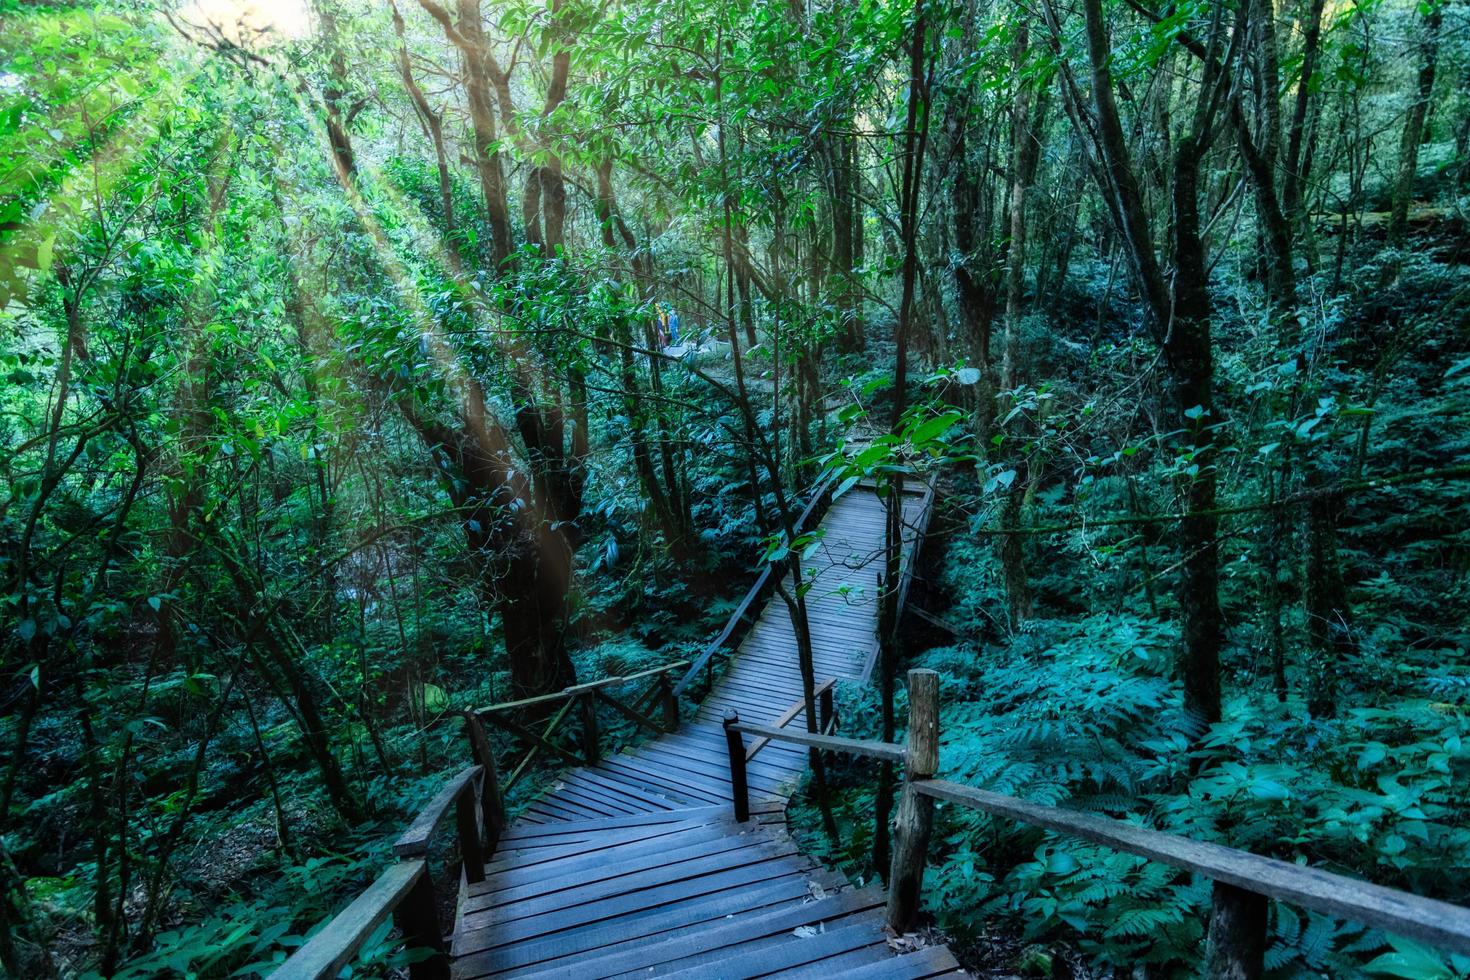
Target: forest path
(636,867)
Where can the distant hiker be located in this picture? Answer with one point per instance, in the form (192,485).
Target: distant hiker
(673,328)
(661,330)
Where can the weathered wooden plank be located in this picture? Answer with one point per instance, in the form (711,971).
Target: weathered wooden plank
(514,835)
(561,790)
(723,857)
(683,950)
(562,887)
(824,946)
(659,777)
(587,943)
(595,779)
(745,935)
(618,781)
(931,961)
(666,896)
(691,773)
(1425,919)
(590,862)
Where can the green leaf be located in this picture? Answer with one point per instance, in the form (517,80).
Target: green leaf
(1410,960)
(1269,789)
(932,429)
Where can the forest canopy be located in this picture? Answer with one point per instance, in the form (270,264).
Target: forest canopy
(366,361)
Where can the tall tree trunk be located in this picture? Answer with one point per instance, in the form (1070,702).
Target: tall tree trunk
(915,142)
(467,34)
(1180,318)
(1413,134)
(1296,151)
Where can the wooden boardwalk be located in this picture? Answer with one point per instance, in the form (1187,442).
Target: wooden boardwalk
(636,866)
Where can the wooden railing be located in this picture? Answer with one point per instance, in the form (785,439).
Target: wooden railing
(704,660)
(1243,882)
(476,796)
(506,716)
(404,891)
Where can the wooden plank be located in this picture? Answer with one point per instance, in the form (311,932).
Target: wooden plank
(742,935)
(563,886)
(720,857)
(594,861)
(568,812)
(514,834)
(843,963)
(561,790)
(621,782)
(793,953)
(1425,919)
(931,961)
(332,947)
(595,779)
(666,897)
(581,945)
(712,761)
(652,773)
(613,802)
(594,858)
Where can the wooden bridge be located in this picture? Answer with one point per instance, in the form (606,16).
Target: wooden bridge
(671,859)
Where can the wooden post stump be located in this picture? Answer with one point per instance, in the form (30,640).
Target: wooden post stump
(670,702)
(915,817)
(1236,948)
(492,802)
(736,744)
(590,749)
(417,917)
(467,819)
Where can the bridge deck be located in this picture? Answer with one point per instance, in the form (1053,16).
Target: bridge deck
(636,867)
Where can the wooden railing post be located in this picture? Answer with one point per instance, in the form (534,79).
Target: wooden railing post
(467,819)
(492,803)
(417,917)
(735,742)
(915,815)
(1236,948)
(825,716)
(590,750)
(670,703)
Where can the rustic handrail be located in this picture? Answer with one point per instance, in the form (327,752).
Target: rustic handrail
(576,689)
(756,591)
(324,955)
(872,748)
(586,697)
(414,841)
(405,890)
(1243,881)
(821,694)
(1426,919)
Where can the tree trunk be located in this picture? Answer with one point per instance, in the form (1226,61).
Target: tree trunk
(1413,134)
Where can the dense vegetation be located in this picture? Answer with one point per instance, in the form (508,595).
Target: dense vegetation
(334,402)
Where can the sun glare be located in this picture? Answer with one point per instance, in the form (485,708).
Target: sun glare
(251,23)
